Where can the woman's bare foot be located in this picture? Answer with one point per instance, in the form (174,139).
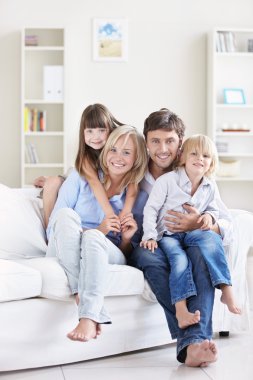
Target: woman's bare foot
(185,318)
(84,331)
(201,354)
(228,299)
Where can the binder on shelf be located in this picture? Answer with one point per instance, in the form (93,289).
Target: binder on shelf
(53,83)
(31,153)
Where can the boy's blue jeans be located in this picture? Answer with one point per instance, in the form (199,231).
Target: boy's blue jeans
(156,270)
(175,248)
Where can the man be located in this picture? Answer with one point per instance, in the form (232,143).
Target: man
(164,132)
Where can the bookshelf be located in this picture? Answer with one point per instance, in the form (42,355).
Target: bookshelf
(42,103)
(230,123)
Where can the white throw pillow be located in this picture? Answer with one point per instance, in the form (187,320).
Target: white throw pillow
(22,233)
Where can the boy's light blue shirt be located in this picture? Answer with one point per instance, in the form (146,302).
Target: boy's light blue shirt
(77,194)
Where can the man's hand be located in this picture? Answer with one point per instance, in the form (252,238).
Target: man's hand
(128,227)
(109,223)
(179,222)
(151,245)
(206,222)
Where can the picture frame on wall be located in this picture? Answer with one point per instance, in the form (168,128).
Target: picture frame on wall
(234,96)
(110,39)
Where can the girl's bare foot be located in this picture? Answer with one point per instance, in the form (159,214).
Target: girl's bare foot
(201,354)
(84,331)
(228,299)
(185,318)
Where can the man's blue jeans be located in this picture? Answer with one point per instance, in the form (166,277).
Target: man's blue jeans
(156,270)
(175,248)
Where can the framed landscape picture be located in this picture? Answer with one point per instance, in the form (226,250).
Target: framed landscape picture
(110,40)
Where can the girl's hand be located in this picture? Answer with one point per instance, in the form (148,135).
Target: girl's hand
(110,223)
(128,227)
(151,245)
(206,222)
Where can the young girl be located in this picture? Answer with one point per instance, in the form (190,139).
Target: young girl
(190,184)
(84,239)
(96,124)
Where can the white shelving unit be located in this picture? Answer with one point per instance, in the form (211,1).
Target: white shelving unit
(41,47)
(231,125)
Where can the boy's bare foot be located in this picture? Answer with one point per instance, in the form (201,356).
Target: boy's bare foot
(228,299)
(185,318)
(201,354)
(84,331)
(77,299)
(99,329)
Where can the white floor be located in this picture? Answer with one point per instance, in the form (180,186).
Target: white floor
(235,362)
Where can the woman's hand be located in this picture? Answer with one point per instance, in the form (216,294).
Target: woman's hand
(110,223)
(179,222)
(150,244)
(128,227)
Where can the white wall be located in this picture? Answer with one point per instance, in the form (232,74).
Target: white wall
(166,66)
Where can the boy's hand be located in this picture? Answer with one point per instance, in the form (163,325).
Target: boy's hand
(124,213)
(110,223)
(206,221)
(151,245)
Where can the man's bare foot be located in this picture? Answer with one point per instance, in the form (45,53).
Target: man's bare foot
(228,299)
(185,318)
(201,354)
(84,331)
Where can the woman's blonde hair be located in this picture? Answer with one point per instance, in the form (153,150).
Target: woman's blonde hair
(201,144)
(139,168)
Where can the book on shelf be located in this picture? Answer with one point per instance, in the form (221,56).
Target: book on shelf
(225,42)
(34,120)
(31,40)
(31,154)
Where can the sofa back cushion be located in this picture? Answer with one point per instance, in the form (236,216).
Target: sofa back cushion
(22,233)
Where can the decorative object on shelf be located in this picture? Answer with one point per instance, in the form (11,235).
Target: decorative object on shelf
(228,168)
(234,127)
(110,40)
(53,83)
(234,96)
(250,45)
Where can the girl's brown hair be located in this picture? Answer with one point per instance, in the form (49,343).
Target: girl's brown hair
(94,116)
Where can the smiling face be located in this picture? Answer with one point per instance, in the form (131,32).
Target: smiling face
(121,156)
(96,137)
(162,147)
(197,163)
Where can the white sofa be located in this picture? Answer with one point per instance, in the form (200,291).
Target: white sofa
(37,310)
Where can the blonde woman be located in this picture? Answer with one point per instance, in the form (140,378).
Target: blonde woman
(85,240)
(190,183)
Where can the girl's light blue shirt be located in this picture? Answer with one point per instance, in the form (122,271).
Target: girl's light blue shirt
(77,194)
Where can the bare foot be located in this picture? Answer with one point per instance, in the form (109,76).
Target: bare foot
(201,354)
(84,331)
(99,329)
(228,299)
(185,318)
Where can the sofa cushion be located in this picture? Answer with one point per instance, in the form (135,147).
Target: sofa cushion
(123,280)
(18,281)
(21,225)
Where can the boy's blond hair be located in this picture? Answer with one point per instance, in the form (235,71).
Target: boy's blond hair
(201,144)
